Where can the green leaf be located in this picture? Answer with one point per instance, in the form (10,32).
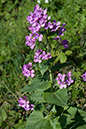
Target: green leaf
(37,85)
(3,115)
(63,120)
(37,121)
(82,127)
(13,113)
(37,96)
(20,125)
(59,97)
(43,66)
(3,1)
(1,59)
(68,52)
(62,57)
(72,111)
(76,119)
(75,47)
(77,74)
(55,123)
(59,66)
(83,113)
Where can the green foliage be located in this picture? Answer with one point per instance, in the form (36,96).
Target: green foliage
(36,120)
(13,29)
(43,66)
(62,57)
(37,85)
(21,124)
(37,96)
(3,116)
(55,111)
(73,14)
(72,118)
(59,97)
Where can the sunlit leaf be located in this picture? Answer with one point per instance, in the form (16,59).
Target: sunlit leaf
(59,97)
(37,85)
(37,121)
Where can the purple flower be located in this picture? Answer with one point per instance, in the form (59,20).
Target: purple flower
(55,25)
(27,70)
(80,77)
(63,86)
(41,55)
(61,80)
(40,37)
(58,38)
(37,19)
(30,41)
(84,76)
(64,80)
(65,43)
(61,30)
(25,104)
(50,25)
(31,107)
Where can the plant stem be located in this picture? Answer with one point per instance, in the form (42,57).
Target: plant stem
(10,91)
(51,80)
(47,42)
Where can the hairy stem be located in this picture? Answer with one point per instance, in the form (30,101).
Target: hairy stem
(51,80)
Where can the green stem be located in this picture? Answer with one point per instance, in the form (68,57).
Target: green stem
(48,48)
(50,75)
(47,42)
(10,91)
(26,115)
(51,80)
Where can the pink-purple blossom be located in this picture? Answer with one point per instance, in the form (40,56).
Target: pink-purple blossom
(61,30)
(64,80)
(56,25)
(37,19)
(27,70)
(84,76)
(31,39)
(60,33)
(41,55)
(65,43)
(25,104)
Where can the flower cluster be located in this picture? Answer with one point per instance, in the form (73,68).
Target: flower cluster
(52,26)
(25,104)
(39,19)
(27,70)
(64,80)
(41,55)
(84,76)
(31,41)
(60,33)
